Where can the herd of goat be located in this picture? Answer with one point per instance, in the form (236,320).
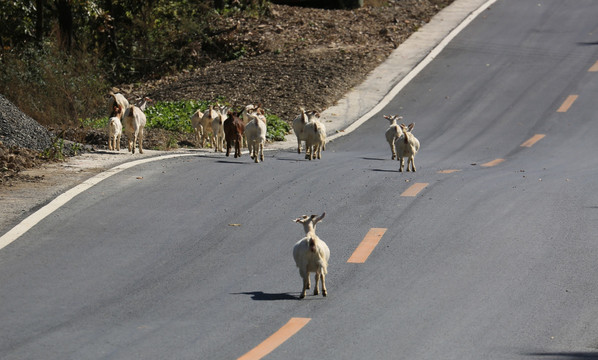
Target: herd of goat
(247,128)
(223,127)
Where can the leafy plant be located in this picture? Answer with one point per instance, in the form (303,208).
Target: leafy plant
(277,128)
(99,123)
(173,116)
(55,151)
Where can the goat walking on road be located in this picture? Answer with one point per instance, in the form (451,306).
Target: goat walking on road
(234,129)
(402,142)
(408,146)
(255,132)
(115,129)
(134,123)
(311,254)
(299,126)
(392,133)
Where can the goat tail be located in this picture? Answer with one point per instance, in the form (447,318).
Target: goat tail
(312,244)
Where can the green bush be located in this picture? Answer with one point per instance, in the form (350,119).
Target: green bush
(277,128)
(173,115)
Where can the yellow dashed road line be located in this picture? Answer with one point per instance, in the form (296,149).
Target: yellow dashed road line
(534,139)
(567,103)
(276,339)
(367,245)
(414,189)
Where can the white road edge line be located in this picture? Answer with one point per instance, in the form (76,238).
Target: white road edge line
(413,73)
(65,197)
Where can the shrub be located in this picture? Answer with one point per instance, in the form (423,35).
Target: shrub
(173,115)
(277,128)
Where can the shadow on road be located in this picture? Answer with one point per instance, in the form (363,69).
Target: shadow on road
(238,162)
(564,355)
(261,296)
(385,170)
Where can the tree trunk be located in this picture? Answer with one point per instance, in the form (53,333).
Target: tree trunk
(219,4)
(65,23)
(39,22)
(112,43)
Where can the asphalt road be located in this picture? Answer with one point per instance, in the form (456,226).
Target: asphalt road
(190,258)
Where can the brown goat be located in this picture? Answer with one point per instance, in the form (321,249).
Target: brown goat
(233,133)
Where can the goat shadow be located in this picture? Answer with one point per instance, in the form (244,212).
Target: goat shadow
(262,296)
(113,152)
(385,170)
(564,355)
(238,162)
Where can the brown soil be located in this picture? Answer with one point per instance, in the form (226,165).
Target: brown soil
(297,56)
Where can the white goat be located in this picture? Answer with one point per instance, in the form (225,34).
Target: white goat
(218,128)
(134,123)
(246,119)
(142,103)
(261,114)
(315,139)
(299,125)
(114,131)
(311,254)
(407,146)
(118,100)
(206,126)
(246,111)
(393,133)
(255,131)
(196,124)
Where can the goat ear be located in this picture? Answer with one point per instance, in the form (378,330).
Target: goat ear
(319,218)
(387,117)
(411,126)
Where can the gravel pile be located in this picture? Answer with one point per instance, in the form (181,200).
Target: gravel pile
(18,129)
